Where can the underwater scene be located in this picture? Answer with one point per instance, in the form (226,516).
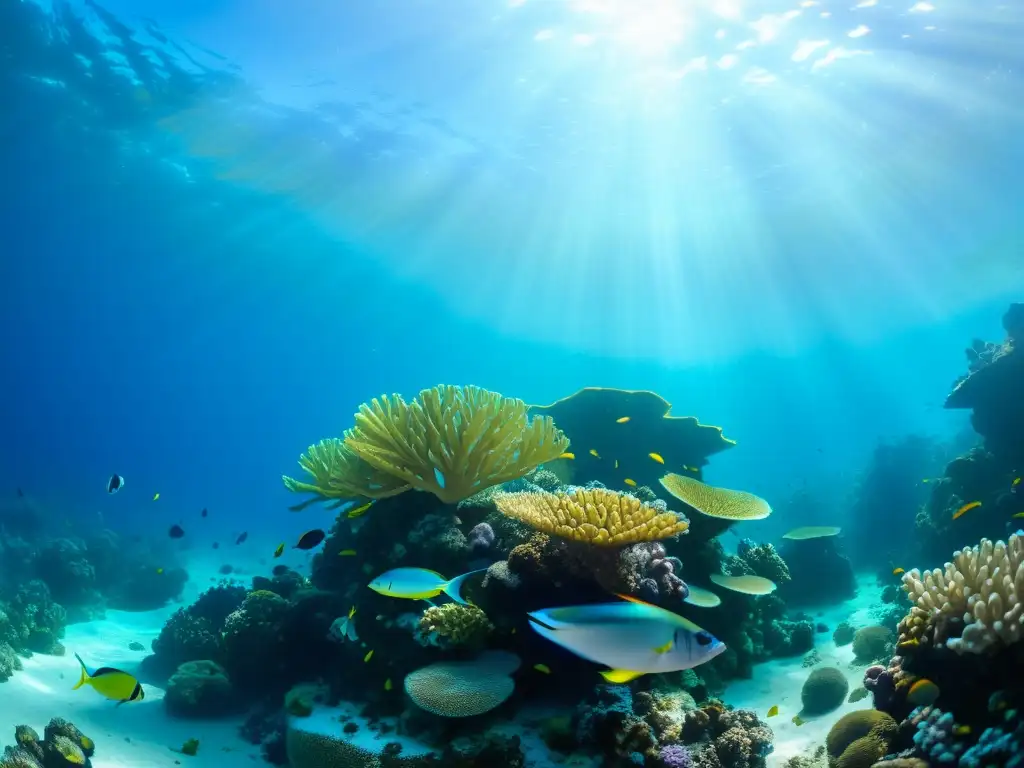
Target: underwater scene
(512,383)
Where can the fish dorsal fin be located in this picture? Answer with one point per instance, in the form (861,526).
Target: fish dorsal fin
(673,617)
(106,671)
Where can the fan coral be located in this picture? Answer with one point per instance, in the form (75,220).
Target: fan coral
(453,441)
(338,473)
(824,690)
(592,515)
(981,587)
(455,625)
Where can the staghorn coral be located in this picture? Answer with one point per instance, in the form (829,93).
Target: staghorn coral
(454,625)
(453,441)
(981,587)
(592,515)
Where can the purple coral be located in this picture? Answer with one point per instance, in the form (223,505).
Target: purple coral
(481,537)
(881,682)
(675,756)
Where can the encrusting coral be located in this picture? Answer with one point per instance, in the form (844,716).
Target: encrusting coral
(455,625)
(980,588)
(450,441)
(592,515)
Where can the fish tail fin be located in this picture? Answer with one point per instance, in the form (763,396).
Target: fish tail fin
(620,675)
(454,587)
(85,674)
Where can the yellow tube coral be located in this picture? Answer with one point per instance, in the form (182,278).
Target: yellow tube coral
(453,441)
(592,515)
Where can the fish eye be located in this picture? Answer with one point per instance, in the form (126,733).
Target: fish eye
(703,638)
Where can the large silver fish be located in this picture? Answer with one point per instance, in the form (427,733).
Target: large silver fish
(633,638)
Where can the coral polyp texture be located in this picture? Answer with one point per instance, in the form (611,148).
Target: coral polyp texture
(450,441)
(981,589)
(592,515)
(463,688)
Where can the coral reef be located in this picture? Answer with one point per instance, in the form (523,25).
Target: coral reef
(62,746)
(871,644)
(200,689)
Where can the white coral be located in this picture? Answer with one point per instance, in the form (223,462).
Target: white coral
(983,586)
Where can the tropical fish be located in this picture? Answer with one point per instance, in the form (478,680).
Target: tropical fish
(242,537)
(216,545)
(343,628)
(634,638)
(962,730)
(812,532)
(368,656)
(702,598)
(112,683)
(156,496)
(898,571)
(347,553)
(388,685)
(420,584)
(279,551)
(691,469)
(798,721)
(134,645)
(593,452)
(745,585)
(616,463)
(115,484)
(310,539)
(657,457)
(542,668)
(175,531)
(966,508)
(622,420)
(159,571)
(630,482)
(1019,514)
(567,455)
(923,693)
(773,711)
(360,510)
(1015,485)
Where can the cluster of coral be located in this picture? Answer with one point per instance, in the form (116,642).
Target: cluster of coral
(467,480)
(48,580)
(62,746)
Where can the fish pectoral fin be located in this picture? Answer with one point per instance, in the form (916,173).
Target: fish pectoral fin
(664,648)
(620,675)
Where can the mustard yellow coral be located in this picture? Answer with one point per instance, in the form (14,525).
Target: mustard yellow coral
(453,441)
(338,473)
(592,515)
(455,624)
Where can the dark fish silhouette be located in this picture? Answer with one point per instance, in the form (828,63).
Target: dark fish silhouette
(216,545)
(115,484)
(310,539)
(21,493)
(204,513)
(176,531)
(242,537)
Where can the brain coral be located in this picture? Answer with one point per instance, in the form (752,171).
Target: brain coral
(824,690)
(983,586)
(463,688)
(872,643)
(860,738)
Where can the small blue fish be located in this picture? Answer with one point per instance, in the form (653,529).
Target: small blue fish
(633,638)
(420,584)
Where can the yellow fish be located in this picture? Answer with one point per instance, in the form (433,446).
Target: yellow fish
(279,551)
(616,463)
(962,730)
(346,553)
(797,720)
(622,420)
(926,480)
(691,469)
(630,482)
(657,457)
(923,693)
(773,711)
(156,496)
(1019,514)
(542,668)
(159,570)
(368,656)
(567,455)
(351,611)
(594,453)
(360,510)
(1014,484)
(111,683)
(387,684)
(965,509)
(898,571)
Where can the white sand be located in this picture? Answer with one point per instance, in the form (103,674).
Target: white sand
(778,682)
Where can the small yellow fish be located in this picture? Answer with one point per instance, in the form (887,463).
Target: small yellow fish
(898,571)
(351,611)
(156,496)
(962,730)
(594,453)
(692,469)
(797,720)
(346,553)
(360,510)
(159,570)
(1019,515)
(616,463)
(965,509)
(513,630)
(773,711)
(630,482)
(542,668)
(622,420)
(923,693)
(387,684)
(657,457)
(368,656)
(926,480)
(279,551)
(567,455)
(1014,485)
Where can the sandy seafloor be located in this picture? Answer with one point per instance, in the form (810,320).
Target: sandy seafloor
(141,735)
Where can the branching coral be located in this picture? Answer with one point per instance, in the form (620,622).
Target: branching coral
(592,515)
(453,441)
(981,587)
